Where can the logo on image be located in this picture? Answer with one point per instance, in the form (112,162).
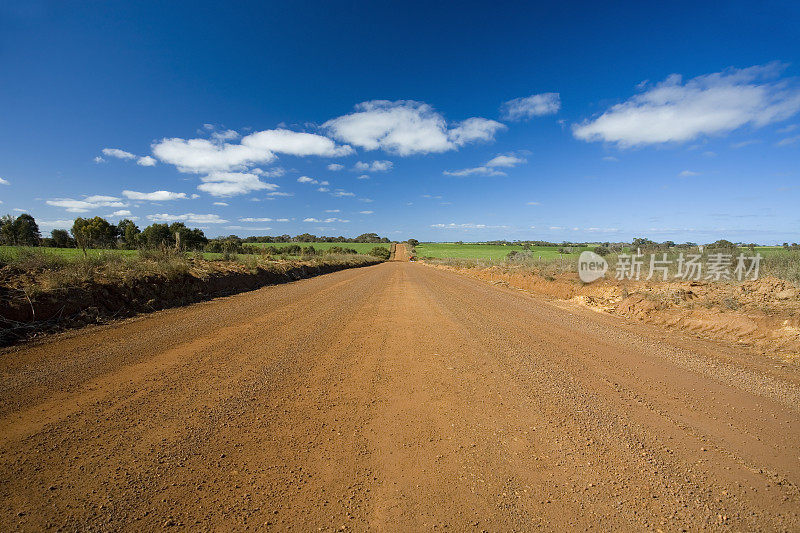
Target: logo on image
(591,267)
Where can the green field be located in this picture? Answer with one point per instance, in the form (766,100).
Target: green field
(75,253)
(360,247)
(485,251)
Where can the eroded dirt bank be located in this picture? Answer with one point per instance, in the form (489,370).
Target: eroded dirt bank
(764,314)
(395,397)
(23,315)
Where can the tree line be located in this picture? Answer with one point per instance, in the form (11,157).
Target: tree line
(97,232)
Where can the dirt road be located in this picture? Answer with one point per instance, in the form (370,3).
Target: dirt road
(395,397)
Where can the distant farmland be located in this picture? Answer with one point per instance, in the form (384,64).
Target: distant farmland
(485,251)
(360,247)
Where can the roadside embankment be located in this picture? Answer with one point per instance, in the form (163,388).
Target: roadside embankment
(33,302)
(763,314)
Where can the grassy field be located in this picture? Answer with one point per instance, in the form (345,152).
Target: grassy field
(484,251)
(75,253)
(360,247)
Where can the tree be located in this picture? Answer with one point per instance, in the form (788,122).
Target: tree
(413,242)
(61,238)
(19,231)
(189,239)
(156,235)
(128,233)
(94,232)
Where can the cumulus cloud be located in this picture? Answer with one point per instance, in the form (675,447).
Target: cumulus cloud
(145,161)
(278,193)
(223,204)
(155,196)
(375,166)
(688,173)
(204,155)
(335,167)
(251,219)
(120,213)
(312,181)
(192,218)
(366,212)
(531,106)
(713,104)
(406,127)
(119,154)
(4,181)
(233,183)
(339,193)
(490,168)
(468,225)
(325,220)
(363,177)
(89,203)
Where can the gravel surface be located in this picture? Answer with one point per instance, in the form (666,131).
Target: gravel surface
(394,397)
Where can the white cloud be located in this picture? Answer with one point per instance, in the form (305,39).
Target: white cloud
(232,183)
(119,154)
(323,189)
(534,203)
(312,181)
(789,128)
(688,173)
(145,161)
(375,166)
(611,158)
(120,213)
(4,182)
(277,193)
(333,210)
(789,141)
(366,212)
(473,130)
(464,226)
(746,143)
(223,204)
(531,106)
(192,218)
(225,135)
(276,172)
(295,143)
(339,193)
(202,155)
(363,177)
(406,127)
(326,220)
(335,167)
(251,228)
(87,204)
(713,104)
(490,167)
(251,219)
(155,196)
(55,224)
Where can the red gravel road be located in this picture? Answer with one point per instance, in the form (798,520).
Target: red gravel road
(394,397)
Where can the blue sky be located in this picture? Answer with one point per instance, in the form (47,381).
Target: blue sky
(575,121)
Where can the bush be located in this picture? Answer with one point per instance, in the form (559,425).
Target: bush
(380,252)
(601,250)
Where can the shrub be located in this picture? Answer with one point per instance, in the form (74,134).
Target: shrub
(601,250)
(380,252)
